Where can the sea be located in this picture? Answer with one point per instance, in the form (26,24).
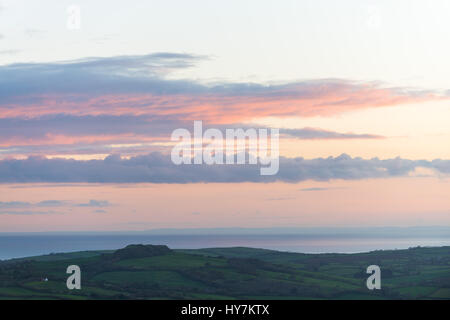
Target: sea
(26,245)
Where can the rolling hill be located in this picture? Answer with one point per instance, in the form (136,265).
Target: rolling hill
(157,272)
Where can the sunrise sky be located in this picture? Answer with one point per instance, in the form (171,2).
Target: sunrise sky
(359,91)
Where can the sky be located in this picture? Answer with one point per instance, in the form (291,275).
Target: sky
(358,89)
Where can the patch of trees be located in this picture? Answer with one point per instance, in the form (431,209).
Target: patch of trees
(135,251)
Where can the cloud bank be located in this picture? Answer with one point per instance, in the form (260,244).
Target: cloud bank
(52,203)
(136,85)
(158,168)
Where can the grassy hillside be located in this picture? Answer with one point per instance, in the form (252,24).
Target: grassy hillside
(156,272)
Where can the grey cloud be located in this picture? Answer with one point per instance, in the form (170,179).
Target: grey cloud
(321,189)
(52,203)
(117,74)
(126,146)
(314,189)
(24,82)
(27,212)
(94,203)
(143,125)
(314,133)
(158,168)
(39,127)
(23,204)
(13,204)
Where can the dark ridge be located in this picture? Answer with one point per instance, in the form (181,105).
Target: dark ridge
(134,251)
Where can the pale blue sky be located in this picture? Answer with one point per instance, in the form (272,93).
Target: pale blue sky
(401,43)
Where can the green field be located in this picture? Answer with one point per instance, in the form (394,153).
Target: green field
(156,272)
